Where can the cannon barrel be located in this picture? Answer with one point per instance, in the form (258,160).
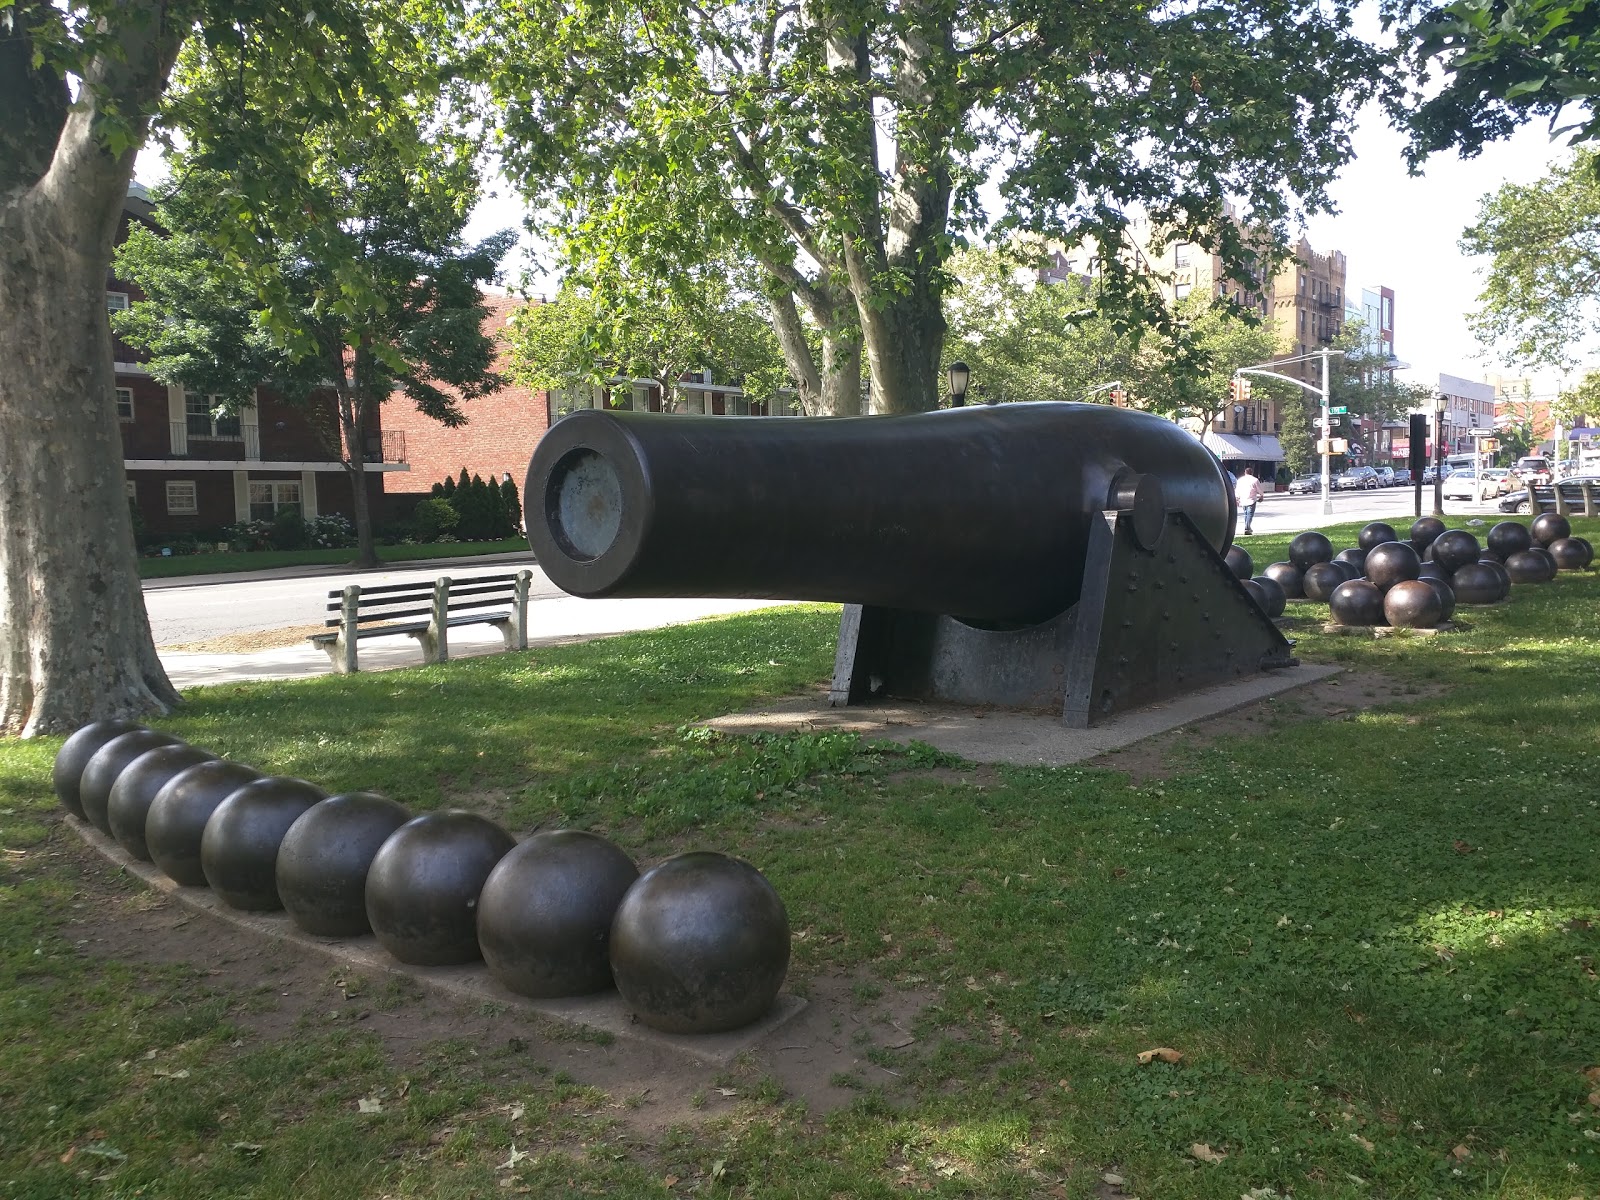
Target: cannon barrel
(980,513)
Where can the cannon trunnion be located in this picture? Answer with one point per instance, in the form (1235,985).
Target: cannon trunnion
(1064,557)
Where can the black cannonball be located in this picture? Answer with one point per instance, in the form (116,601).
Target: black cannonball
(1455,548)
(101,771)
(1529,566)
(422,888)
(1588,549)
(239,850)
(1569,554)
(1392,563)
(1550,559)
(1273,591)
(137,787)
(1477,583)
(1432,570)
(1491,556)
(1239,562)
(700,944)
(1446,594)
(1376,534)
(1508,538)
(324,858)
(1356,602)
(1310,548)
(1423,531)
(544,917)
(1351,570)
(1355,556)
(1321,578)
(75,754)
(1287,576)
(1412,604)
(1549,527)
(1253,590)
(176,822)
(1427,552)
(1500,573)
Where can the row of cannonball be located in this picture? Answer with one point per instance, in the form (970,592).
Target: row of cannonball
(1417,583)
(698,944)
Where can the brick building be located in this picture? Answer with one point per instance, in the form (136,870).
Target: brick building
(189,470)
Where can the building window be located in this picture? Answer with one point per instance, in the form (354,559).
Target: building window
(125,404)
(181,501)
(200,415)
(1181,291)
(116,302)
(1180,254)
(267,498)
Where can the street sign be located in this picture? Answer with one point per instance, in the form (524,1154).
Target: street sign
(1340,411)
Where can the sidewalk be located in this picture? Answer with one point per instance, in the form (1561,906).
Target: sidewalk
(521,558)
(551,622)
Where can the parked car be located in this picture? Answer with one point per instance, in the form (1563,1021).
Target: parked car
(1497,481)
(1356,479)
(1571,489)
(1429,474)
(1302,485)
(1402,477)
(1459,485)
(1385,476)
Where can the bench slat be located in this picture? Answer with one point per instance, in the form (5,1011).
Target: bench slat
(424,593)
(381,588)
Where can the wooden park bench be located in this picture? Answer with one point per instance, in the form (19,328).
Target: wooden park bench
(1565,497)
(425,611)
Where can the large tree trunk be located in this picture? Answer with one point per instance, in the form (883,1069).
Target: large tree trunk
(75,641)
(834,388)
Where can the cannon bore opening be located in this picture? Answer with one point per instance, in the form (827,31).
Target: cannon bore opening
(583,503)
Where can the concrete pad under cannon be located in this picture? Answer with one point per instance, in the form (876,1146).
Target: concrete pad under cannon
(471,982)
(989,735)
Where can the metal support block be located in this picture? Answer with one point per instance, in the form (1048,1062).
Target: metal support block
(342,651)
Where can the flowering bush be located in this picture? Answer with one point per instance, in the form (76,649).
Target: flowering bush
(331,532)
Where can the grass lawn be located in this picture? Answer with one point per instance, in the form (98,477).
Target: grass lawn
(1374,939)
(260,560)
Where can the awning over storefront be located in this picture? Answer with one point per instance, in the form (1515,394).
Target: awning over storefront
(1243,447)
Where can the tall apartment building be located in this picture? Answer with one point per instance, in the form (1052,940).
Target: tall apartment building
(1303,304)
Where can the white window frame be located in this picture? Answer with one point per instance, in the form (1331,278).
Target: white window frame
(212,402)
(124,411)
(117,302)
(281,493)
(193,503)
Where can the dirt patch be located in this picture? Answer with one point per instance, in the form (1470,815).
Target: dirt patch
(247,643)
(1167,754)
(275,991)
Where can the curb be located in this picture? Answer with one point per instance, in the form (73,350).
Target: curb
(605,1012)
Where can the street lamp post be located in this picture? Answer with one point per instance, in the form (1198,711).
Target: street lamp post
(959,375)
(1321,393)
(1439,402)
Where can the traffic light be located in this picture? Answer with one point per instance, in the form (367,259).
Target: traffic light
(1243,394)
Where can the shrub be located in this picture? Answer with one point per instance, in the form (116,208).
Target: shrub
(433,519)
(331,532)
(289,530)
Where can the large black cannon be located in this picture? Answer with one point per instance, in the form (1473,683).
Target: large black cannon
(1056,556)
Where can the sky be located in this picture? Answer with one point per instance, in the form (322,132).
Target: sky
(1400,232)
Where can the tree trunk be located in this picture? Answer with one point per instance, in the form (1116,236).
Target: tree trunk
(75,642)
(841,373)
(352,421)
(834,389)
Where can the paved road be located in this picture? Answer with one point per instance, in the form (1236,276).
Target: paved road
(188,610)
(1283,513)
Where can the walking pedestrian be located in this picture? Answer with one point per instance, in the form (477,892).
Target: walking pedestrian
(1248,492)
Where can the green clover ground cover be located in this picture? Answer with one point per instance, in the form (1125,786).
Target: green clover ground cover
(1374,938)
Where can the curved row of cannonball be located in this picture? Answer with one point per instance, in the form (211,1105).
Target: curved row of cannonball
(1417,583)
(698,944)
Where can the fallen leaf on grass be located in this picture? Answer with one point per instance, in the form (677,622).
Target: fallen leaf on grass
(1164,1054)
(105,1150)
(1206,1154)
(516,1111)
(1594,1099)
(1461,1153)
(670,1181)
(159,1073)
(1362,1142)
(368,1105)
(1461,847)
(721,1091)
(247,1148)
